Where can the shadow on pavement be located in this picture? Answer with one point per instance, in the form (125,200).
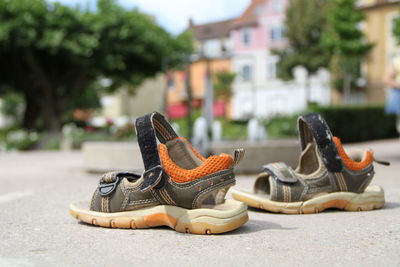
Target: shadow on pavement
(253,226)
(388,205)
(391,205)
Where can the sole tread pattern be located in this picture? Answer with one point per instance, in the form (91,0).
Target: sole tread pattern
(312,206)
(155,220)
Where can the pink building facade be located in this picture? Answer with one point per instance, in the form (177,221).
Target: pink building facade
(257,92)
(258,31)
(244,46)
(260,27)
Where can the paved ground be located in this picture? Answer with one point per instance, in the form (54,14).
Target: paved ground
(37,230)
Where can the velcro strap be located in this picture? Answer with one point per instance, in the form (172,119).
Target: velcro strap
(149,128)
(313,127)
(237,157)
(281,172)
(109,181)
(152,177)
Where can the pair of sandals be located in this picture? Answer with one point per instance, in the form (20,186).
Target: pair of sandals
(185,191)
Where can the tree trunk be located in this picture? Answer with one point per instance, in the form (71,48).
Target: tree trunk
(51,117)
(308,90)
(189,99)
(347,88)
(50,108)
(37,107)
(208,101)
(31,112)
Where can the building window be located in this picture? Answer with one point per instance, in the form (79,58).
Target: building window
(170,81)
(276,34)
(259,10)
(277,5)
(212,48)
(246,36)
(272,67)
(247,73)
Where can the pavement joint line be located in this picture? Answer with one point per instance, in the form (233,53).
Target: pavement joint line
(14,195)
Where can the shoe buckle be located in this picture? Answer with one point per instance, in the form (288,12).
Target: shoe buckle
(109,188)
(152,178)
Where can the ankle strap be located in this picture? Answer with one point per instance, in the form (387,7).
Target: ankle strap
(313,127)
(149,128)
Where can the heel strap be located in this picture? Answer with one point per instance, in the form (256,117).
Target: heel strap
(149,128)
(313,127)
(237,157)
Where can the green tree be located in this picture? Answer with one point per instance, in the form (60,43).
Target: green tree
(56,56)
(396,28)
(344,38)
(304,23)
(223,84)
(11,106)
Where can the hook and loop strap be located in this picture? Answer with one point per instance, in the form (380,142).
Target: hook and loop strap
(109,181)
(281,172)
(149,128)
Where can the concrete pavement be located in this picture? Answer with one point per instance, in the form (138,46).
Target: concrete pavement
(37,230)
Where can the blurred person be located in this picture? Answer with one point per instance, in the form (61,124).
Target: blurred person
(392,79)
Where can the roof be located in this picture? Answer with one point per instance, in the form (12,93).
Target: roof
(249,16)
(212,30)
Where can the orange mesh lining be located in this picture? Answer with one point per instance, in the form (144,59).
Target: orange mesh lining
(350,163)
(179,175)
(200,157)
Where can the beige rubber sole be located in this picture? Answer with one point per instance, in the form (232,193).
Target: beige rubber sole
(220,219)
(372,198)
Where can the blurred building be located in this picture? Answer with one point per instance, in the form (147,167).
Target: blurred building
(244,46)
(122,106)
(257,90)
(213,51)
(256,32)
(378,29)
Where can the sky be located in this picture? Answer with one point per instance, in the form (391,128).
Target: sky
(174,14)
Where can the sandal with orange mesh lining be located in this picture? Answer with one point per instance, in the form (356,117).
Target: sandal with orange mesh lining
(179,188)
(326,177)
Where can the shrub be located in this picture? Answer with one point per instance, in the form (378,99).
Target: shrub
(282,126)
(350,123)
(20,140)
(12,106)
(359,123)
(110,132)
(233,130)
(49,141)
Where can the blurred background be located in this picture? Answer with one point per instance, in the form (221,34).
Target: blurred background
(76,74)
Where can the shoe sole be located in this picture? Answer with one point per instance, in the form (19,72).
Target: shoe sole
(372,198)
(223,218)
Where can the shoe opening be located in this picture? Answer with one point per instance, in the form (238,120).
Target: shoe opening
(263,184)
(354,160)
(310,163)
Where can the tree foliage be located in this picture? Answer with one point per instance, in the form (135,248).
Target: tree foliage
(396,28)
(223,84)
(345,40)
(305,21)
(55,55)
(344,35)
